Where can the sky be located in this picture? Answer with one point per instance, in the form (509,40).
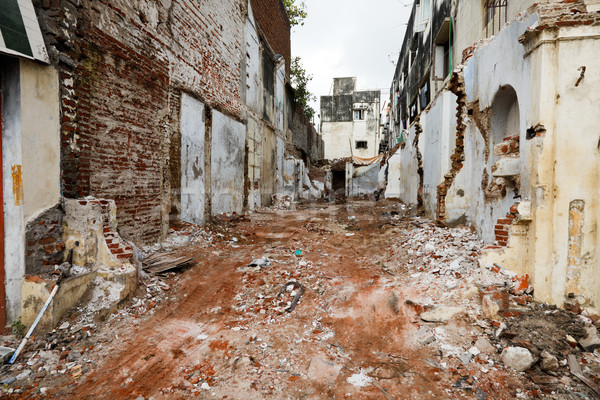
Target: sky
(342,38)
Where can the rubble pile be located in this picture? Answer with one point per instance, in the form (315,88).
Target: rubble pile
(338,301)
(508,330)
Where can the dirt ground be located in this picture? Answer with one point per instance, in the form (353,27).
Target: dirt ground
(389,308)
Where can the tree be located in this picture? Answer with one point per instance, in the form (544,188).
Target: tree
(296,11)
(300,81)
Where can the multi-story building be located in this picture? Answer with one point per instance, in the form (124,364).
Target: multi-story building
(350,121)
(494,108)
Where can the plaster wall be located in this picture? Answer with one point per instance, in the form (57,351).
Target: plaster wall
(465,197)
(254,146)
(337,139)
(438,140)
(403,178)
(252,78)
(567,168)
(227,164)
(280,97)
(364,180)
(40,124)
(366,130)
(469,24)
(193,200)
(12,162)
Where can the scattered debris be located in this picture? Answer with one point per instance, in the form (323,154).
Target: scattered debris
(518,358)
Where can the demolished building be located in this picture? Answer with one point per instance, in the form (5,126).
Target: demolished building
(145,114)
(493,107)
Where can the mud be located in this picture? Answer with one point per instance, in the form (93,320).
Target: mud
(221,330)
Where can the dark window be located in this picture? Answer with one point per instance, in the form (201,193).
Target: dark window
(495,14)
(361,144)
(359,114)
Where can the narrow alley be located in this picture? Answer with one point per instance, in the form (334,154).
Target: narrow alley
(389,307)
(299,199)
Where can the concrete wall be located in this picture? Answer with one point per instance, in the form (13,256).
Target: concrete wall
(438,138)
(337,139)
(193,200)
(253,80)
(227,164)
(40,124)
(562,252)
(12,161)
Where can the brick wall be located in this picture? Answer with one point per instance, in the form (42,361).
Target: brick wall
(122,67)
(44,247)
(275,24)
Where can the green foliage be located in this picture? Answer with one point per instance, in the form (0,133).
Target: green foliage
(296,11)
(18,328)
(300,80)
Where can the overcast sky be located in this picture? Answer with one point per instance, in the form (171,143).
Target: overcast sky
(351,38)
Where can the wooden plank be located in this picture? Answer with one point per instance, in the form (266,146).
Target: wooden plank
(162,267)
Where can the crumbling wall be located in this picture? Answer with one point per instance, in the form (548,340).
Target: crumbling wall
(193,202)
(119,62)
(364,180)
(227,164)
(44,245)
(274,22)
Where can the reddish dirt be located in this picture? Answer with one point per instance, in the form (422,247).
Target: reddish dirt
(270,355)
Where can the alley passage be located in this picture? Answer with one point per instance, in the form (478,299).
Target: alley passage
(389,307)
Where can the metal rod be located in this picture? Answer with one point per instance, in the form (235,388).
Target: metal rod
(35,323)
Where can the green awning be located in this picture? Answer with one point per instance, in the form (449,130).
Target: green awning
(20,33)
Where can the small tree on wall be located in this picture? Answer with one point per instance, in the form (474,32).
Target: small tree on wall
(300,81)
(296,11)
(299,77)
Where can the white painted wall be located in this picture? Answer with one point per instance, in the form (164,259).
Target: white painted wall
(337,139)
(227,164)
(438,139)
(192,160)
(253,77)
(40,124)
(12,161)
(279,96)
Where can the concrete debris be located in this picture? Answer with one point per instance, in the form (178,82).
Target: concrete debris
(518,358)
(323,371)
(484,345)
(420,302)
(592,341)
(441,314)
(360,379)
(424,336)
(548,362)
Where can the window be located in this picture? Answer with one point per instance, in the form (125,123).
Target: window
(443,51)
(361,144)
(359,114)
(495,16)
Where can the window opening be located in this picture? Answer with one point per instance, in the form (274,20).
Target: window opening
(361,144)
(494,10)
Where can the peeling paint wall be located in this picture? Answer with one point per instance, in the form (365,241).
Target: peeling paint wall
(192,160)
(227,164)
(528,176)
(341,129)
(12,160)
(40,125)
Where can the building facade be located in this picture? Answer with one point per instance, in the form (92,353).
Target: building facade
(491,108)
(350,121)
(167,111)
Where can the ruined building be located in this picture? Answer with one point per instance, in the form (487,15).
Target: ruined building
(350,121)
(121,118)
(494,111)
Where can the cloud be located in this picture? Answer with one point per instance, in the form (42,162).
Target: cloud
(351,38)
